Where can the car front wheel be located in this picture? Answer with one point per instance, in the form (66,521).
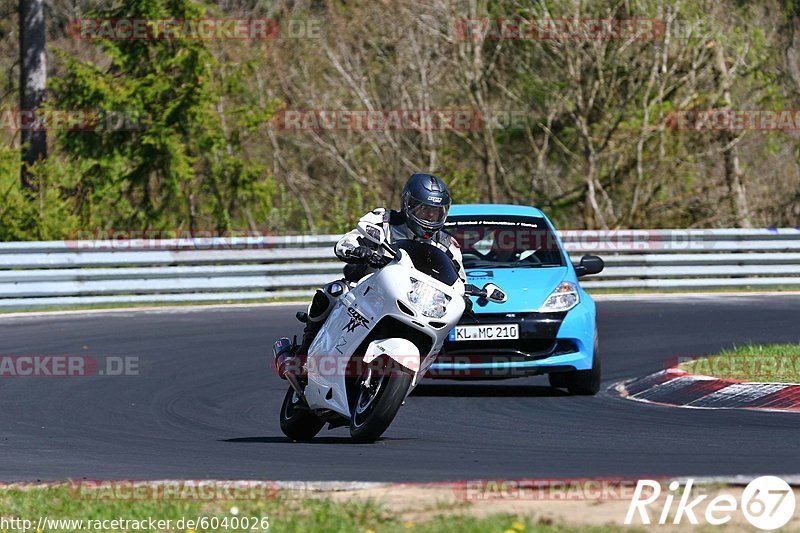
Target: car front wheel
(581,382)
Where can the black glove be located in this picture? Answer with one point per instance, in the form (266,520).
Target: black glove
(366,255)
(377,261)
(362,253)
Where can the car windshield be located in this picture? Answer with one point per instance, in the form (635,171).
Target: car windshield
(505,242)
(430,260)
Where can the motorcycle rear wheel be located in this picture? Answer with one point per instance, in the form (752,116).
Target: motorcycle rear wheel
(375,407)
(297,423)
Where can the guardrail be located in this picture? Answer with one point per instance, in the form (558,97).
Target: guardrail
(63,273)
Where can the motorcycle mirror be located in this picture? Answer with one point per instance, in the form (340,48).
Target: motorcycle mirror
(372,232)
(494,293)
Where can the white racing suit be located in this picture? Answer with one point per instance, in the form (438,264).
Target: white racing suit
(394,229)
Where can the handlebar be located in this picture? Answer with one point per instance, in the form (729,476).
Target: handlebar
(390,249)
(473,290)
(490,292)
(374,258)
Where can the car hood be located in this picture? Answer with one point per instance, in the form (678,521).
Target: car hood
(527,288)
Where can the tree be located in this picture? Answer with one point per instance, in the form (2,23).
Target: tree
(180,163)
(33,80)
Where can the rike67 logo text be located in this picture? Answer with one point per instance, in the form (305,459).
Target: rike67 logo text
(767,503)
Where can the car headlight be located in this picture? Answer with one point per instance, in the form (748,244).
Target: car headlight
(563,298)
(427,299)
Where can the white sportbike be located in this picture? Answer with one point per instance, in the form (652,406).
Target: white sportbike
(382,335)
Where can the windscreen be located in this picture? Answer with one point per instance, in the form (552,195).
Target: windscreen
(505,242)
(430,260)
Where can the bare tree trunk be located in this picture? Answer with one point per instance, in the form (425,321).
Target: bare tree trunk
(734,175)
(490,166)
(592,215)
(734,178)
(33,79)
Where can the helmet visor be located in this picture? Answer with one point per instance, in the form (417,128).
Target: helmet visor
(433,215)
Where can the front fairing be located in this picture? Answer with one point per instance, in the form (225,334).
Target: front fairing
(355,316)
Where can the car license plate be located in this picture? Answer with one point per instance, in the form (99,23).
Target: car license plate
(488,332)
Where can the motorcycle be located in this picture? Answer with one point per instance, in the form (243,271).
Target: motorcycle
(383,333)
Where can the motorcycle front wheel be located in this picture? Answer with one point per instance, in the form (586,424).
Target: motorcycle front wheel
(296,422)
(381,389)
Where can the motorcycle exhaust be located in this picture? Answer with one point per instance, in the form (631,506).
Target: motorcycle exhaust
(292,379)
(282,353)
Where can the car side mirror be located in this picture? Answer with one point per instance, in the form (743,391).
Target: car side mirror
(590,264)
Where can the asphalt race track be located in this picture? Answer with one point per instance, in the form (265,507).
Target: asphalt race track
(205,405)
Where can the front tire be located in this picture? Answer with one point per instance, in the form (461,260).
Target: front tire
(581,382)
(296,422)
(558,380)
(376,405)
(586,382)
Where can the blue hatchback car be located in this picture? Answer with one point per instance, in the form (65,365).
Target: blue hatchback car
(547,325)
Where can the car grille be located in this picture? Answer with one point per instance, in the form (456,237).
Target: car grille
(511,351)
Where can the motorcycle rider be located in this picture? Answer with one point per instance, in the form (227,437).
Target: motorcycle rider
(425,204)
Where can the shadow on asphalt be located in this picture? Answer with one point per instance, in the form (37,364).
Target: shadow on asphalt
(285,440)
(480,390)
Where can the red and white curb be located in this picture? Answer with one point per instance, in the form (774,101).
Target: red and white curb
(679,388)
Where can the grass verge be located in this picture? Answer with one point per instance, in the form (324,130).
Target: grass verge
(279,513)
(779,363)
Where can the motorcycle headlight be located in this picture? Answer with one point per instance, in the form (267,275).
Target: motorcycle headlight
(427,299)
(563,298)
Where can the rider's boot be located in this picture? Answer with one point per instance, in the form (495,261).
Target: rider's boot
(318,311)
(309,334)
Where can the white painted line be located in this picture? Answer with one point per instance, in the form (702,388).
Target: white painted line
(675,383)
(172,309)
(690,295)
(338,486)
(744,392)
(735,391)
(791,479)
